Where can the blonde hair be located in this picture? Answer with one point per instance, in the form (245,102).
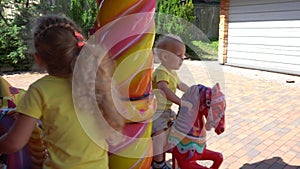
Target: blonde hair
(165,40)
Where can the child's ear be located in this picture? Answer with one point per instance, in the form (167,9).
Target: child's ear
(38,59)
(163,56)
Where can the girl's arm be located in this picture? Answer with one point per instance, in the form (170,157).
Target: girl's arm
(162,85)
(18,135)
(183,87)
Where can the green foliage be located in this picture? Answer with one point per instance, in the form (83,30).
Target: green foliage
(172,16)
(11,45)
(205,50)
(13,35)
(176,18)
(16,48)
(83,12)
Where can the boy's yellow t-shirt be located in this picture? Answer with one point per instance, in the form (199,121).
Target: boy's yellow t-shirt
(69,147)
(162,74)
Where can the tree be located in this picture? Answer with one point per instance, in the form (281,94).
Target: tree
(83,12)
(16,48)
(176,17)
(171,13)
(12,43)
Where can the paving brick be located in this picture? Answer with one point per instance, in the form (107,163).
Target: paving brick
(231,158)
(262,122)
(256,141)
(272,148)
(261,147)
(235,165)
(248,166)
(296,148)
(266,154)
(279,153)
(289,156)
(279,142)
(295,161)
(241,152)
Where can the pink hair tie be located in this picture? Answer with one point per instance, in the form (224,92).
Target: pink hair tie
(80,39)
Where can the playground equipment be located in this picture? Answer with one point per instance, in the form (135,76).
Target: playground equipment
(131,26)
(187,137)
(34,153)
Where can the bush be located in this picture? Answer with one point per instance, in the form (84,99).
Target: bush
(83,12)
(12,47)
(176,18)
(16,40)
(170,15)
(204,50)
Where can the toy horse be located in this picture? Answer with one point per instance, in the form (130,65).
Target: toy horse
(187,136)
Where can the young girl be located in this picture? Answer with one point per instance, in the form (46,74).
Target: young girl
(57,42)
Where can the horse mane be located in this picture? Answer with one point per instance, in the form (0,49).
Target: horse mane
(202,113)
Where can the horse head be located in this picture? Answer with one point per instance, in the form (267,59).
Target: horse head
(205,111)
(216,114)
(209,103)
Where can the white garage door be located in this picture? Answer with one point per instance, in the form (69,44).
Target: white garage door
(265,34)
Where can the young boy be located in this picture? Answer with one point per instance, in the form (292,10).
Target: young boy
(171,51)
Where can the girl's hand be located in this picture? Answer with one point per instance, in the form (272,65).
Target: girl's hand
(12,114)
(18,135)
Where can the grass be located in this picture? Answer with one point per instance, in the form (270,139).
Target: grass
(203,50)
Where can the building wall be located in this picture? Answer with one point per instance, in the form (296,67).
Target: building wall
(223,31)
(264,34)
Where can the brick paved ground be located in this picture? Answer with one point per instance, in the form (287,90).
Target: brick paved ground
(262,117)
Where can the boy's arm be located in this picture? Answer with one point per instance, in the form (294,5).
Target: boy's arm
(183,87)
(163,86)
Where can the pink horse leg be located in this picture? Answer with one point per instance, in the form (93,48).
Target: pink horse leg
(183,163)
(216,157)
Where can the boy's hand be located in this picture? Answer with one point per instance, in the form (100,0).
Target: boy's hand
(183,87)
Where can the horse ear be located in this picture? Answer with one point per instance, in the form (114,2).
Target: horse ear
(216,88)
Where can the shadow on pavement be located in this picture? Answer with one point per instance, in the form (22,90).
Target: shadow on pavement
(273,163)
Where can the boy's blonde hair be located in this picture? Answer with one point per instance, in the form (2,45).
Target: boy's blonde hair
(164,41)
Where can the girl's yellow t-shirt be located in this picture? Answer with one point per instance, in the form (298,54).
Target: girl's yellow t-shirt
(69,147)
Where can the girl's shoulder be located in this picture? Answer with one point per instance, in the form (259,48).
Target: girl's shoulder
(48,82)
(49,78)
